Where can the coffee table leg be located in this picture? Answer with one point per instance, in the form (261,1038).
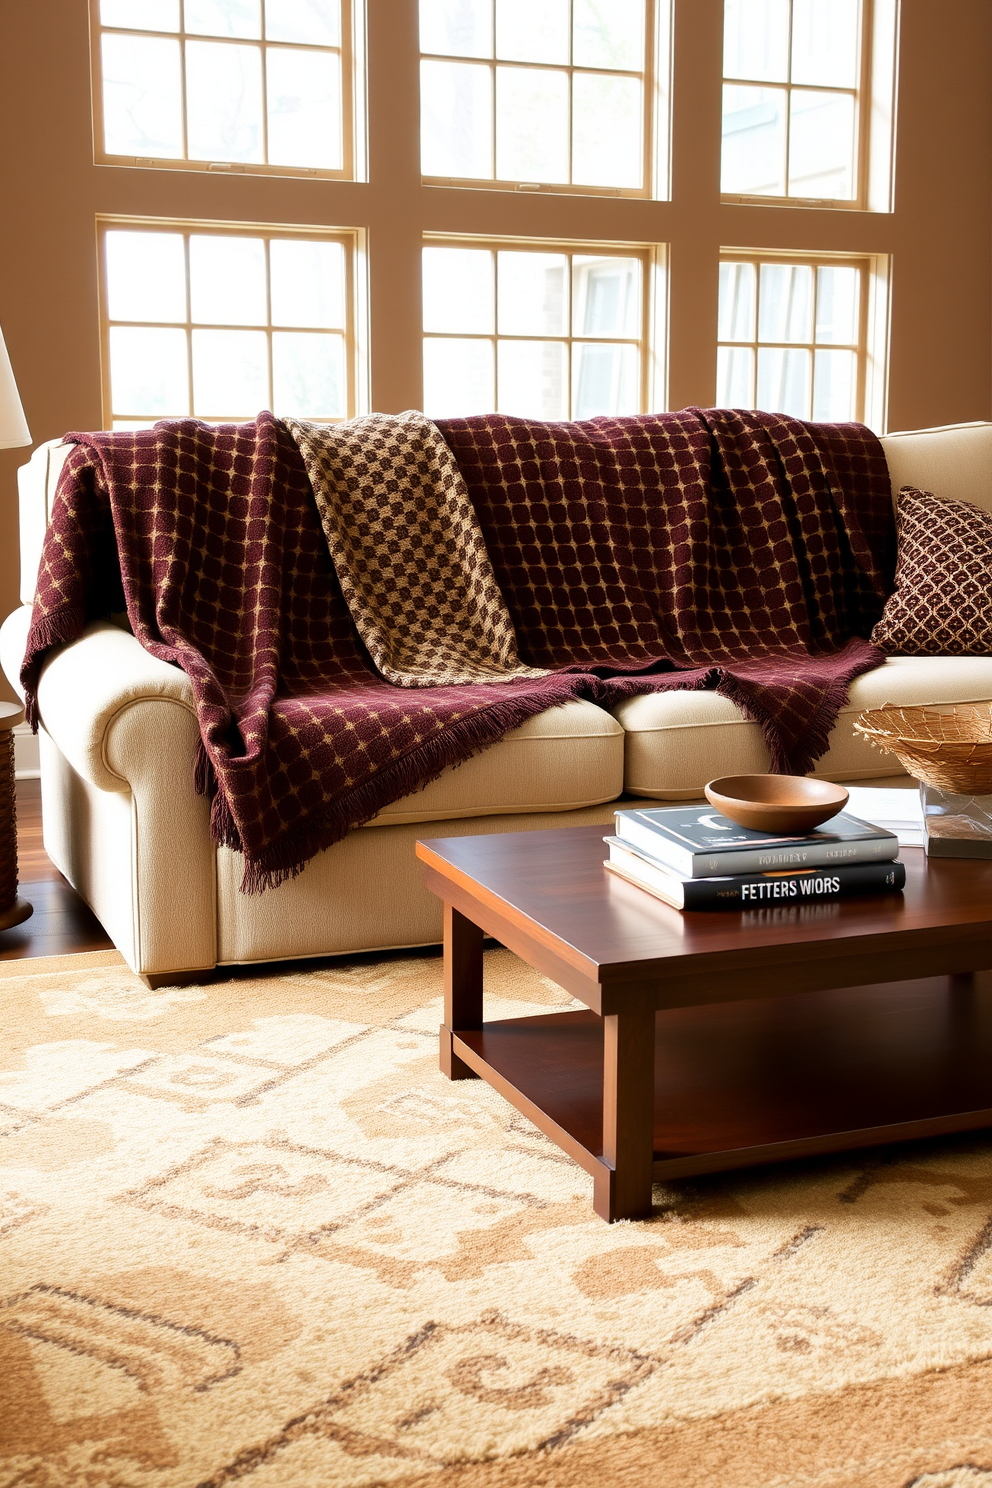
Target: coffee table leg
(462,988)
(623,1184)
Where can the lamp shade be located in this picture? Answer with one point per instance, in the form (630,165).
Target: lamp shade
(13,425)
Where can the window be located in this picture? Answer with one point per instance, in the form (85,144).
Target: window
(555,311)
(793,336)
(795,77)
(542,331)
(221,323)
(545,93)
(253,85)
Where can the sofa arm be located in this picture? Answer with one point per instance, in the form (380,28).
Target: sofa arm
(124,729)
(87,691)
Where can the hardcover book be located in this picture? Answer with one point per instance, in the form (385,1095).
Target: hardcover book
(700,843)
(751,890)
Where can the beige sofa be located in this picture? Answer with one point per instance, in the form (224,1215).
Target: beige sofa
(122,822)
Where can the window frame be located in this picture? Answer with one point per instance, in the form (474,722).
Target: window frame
(655,125)
(872,346)
(651,340)
(876,61)
(356,360)
(351,52)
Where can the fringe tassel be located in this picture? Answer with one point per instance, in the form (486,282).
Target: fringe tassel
(204,777)
(817,736)
(286,860)
(799,758)
(223,828)
(56,629)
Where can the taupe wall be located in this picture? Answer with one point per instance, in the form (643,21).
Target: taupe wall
(938,235)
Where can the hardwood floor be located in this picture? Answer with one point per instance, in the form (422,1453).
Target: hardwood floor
(61,923)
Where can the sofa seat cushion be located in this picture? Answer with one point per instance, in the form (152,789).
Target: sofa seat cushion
(559,760)
(676,741)
(368,892)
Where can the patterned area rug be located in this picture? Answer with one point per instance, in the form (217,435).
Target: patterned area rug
(250,1233)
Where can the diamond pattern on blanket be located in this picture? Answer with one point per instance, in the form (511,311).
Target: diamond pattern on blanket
(409,553)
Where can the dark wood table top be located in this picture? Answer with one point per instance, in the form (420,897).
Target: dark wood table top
(548,896)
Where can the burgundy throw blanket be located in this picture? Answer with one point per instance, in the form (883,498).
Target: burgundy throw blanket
(748,550)
(743,552)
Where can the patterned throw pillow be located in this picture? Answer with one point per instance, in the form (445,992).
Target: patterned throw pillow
(942,604)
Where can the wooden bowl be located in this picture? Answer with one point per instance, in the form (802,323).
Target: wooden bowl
(790,804)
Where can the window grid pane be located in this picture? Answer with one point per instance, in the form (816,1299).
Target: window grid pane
(792,99)
(549,332)
(551,93)
(792,337)
(210,82)
(219,325)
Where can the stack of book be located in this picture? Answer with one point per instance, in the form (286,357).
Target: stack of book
(694,858)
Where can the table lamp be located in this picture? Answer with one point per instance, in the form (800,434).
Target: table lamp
(13,424)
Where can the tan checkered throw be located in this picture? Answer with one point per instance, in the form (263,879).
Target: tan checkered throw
(409,552)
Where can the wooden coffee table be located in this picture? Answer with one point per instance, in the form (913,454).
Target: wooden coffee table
(697,1054)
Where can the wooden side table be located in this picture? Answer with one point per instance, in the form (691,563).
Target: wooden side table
(12,909)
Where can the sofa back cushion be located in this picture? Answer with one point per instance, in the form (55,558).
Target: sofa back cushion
(954,461)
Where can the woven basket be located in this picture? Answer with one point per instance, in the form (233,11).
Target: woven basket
(948,746)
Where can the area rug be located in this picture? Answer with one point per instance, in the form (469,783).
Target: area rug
(250,1233)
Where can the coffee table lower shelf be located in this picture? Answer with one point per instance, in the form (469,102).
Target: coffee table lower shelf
(739,1084)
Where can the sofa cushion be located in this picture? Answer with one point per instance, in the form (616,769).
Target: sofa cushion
(365,893)
(676,741)
(559,760)
(942,604)
(953,461)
